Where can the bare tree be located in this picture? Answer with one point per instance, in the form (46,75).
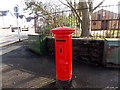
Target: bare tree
(83,14)
(47,11)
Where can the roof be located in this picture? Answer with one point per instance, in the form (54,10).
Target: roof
(105,11)
(29,19)
(4,13)
(21,16)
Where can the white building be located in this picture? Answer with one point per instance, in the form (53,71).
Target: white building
(8,19)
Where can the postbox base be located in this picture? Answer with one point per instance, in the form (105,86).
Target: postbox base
(63,83)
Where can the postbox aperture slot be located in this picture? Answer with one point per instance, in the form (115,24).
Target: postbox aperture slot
(60,50)
(61,40)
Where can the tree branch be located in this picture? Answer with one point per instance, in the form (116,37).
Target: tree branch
(98,5)
(74,11)
(90,6)
(64,4)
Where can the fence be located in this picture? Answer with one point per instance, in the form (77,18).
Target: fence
(105,22)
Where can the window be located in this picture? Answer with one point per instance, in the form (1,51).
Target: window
(94,23)
(99,17)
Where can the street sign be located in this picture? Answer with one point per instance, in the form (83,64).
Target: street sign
(16,14)
(16,9)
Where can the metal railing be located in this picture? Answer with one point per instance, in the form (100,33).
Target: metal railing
(105,22)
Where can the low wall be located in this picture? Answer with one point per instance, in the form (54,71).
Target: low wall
(88,50)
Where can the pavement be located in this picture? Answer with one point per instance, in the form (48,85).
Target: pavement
(22,68)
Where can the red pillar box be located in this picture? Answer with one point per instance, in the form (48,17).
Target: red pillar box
(63,50)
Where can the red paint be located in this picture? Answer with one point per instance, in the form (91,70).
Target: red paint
(63,50)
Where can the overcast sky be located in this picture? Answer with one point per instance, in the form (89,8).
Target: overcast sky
(10,4)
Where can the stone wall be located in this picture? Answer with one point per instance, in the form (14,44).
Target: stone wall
(86,50)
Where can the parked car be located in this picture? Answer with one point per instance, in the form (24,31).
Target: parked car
(25,29)
(15,28)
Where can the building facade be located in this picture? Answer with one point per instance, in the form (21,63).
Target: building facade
(105,20)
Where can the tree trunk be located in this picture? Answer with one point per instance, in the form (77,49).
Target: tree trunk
(86,20)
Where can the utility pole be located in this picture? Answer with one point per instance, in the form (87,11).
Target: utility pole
(16,9)
(18,30)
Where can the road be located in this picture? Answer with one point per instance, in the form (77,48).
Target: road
(7,36)
(22,68)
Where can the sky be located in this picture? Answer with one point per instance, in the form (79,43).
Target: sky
(10,4)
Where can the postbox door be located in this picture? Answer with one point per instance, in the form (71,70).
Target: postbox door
(61,60)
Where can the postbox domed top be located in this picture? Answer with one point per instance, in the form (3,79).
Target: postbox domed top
(63,30)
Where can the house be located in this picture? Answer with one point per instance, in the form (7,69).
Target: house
(104,15)
(30,21)
(104,20)
(7,19)
(39,23)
